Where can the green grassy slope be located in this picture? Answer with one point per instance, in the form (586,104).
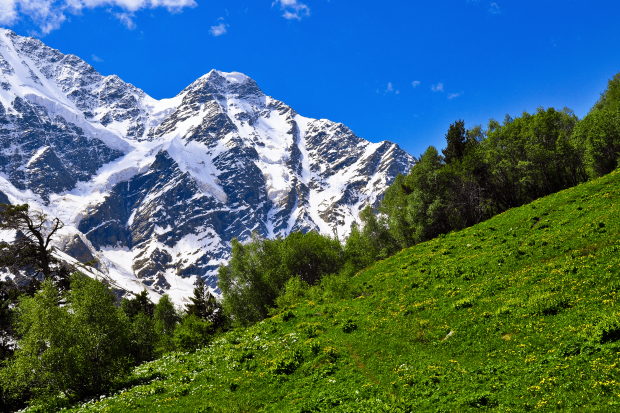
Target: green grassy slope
(518,313)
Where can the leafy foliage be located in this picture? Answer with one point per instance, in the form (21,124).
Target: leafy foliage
(258,271)
(165,318)
(69,351)
(192,333)
(140,303)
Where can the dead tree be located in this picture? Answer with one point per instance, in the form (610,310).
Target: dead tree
(31,254)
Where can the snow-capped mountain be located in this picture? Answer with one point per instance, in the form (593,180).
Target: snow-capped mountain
(156,190)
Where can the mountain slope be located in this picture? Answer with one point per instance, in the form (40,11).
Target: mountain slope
(518,313)
(155,190)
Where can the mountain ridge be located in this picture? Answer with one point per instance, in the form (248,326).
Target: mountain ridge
(156,189)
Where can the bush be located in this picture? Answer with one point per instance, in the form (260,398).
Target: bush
(464,303)
(337,286)
(287,363)
(349,326)
(192,333)
(547,304)
(258,272)
(607,329)
(294,290)
(480,400)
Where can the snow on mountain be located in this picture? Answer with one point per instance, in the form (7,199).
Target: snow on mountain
(156,190)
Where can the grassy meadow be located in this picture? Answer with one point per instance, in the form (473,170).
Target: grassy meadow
(519,313)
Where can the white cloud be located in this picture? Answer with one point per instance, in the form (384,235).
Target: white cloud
(8,11)
(453,95)
(437,88)
(494,8)
(218,30)
(97,58)
(126,19)
(390,88)
(293,9)
(48,15)
(415,83)
(397,92)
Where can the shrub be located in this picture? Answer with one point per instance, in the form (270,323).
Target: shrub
(480,399)
(287,315)
(349,326)
(606,330)
(191,334)
(337,286)
(287,363)
(547,304)
(294,289)
(463,303)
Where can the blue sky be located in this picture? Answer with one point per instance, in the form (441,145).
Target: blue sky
(396,70)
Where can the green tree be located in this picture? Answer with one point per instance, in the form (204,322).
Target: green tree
(166,319)
(426,205)
(252,280)
(531,156)
(258,271)
(610,98)
(394,209)
(206,307)
(101,333)
(192,333)
(456,142)
(598,134)
(467,196)
(140,303)
(74,350)
(310,256)
(142,335)
(9,298)
(379,241)
(358,251)
(143,338)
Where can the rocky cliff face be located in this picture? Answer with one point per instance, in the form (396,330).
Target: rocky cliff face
(156,190)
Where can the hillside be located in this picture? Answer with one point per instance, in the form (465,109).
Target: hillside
(518,313)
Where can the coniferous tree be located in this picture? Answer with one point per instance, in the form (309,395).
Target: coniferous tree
(140,303)
(206,307)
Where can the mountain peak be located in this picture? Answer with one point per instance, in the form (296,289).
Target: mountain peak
(90,149)
(232,84)
(230,77)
